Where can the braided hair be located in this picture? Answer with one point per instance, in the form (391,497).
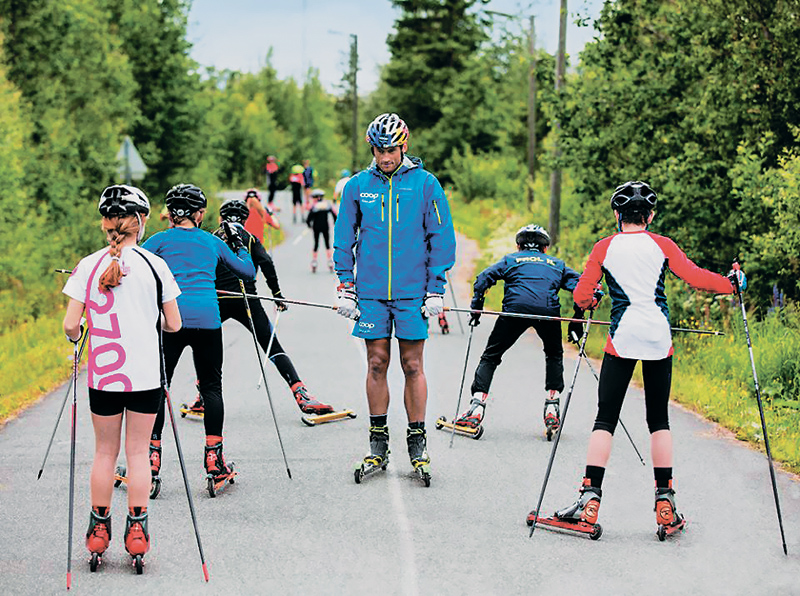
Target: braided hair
(117,229)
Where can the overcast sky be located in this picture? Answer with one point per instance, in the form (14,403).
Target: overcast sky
(237,34)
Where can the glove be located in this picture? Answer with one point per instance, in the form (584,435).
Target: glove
(281,306)
(597,296)
(232,237)
(737,276)
(347,300)
(574,328)
(474,319)
(433,305)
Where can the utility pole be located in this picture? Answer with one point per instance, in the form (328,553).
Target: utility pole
(532,108)
(354,84)
(555,176)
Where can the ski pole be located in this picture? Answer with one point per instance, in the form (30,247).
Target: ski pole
(588,322)
(622,424)
(181,460)
(61,411)
(461,388)
(453,296)
(760,408)
(520,315)
(269,346)
(264,375)
(72,462)
(242,294)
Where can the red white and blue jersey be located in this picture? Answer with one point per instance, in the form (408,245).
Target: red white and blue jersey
(635,265)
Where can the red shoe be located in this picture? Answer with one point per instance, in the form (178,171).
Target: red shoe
(308,404)
(137,538)
(98,536)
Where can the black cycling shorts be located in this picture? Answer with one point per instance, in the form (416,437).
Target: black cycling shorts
(111,403)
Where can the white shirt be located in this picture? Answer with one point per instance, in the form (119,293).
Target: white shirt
(339,188)
(123,342)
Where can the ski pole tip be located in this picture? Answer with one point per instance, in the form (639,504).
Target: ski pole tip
(69,580)
(205,572)
(39,475)
(289,472)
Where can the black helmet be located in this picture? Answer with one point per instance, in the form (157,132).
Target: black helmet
(532,237)
(234,210)
(184,199)
(120,199)
(252,192)
(633,195)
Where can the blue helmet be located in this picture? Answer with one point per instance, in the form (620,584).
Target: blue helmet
(345,173)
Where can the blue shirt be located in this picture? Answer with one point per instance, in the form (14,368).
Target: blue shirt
(192,255)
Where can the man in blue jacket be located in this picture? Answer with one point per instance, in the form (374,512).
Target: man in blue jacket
(394,228)
(532,282)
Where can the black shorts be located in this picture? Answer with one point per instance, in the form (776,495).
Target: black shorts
(111,403)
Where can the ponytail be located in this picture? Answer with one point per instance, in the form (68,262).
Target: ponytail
(116,229)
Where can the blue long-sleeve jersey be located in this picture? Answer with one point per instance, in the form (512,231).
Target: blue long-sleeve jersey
(395,232)
(192,255)
(532,281)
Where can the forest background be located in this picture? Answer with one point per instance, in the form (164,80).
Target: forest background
(699,98)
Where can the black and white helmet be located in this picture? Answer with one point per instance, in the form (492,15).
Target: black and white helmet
(532,237)
(318,192)
(184,199)
(234,210)
(120,200)
(633,195)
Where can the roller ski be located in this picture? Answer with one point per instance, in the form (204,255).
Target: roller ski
(121,473)
(578,518)
(417,442)
(330,266)
(378,457)
(218,473)
(669,521)
(314,266)
(196,410)
(552,415)
(98,537)
(137,539)
(443,324)
(470,423)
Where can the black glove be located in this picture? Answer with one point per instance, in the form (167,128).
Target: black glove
(574,328)
(474,319)
(232,237)
(281,306)
(597,296)
(80,335)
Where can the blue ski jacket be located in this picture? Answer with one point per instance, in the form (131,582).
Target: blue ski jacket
(395,232)
(532,281)
(192,255)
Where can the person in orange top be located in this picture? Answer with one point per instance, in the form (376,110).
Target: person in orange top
(259,215)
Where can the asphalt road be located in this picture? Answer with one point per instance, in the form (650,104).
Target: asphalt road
(320,533)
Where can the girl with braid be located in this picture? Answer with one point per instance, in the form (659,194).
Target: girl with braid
(117,289)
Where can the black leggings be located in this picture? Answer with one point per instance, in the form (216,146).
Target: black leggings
(324,233)
(206,347)
(234,309)
(506,332)
(615,376)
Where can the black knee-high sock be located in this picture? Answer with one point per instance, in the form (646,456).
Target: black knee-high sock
(663,477)
(595,475)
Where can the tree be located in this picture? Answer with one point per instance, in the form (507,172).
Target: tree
(431,45)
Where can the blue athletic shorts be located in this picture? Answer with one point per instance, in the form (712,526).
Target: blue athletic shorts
(378,317)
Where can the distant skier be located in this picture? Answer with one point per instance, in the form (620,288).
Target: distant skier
(319,220)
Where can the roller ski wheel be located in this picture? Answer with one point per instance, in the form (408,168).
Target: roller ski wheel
(120,476)
(138,564)
(574,527)
(669,521)
(467,431)
(95,561)
(155,487)
(417,442)
(217,483)
(313,266)
(552,417)
(369,466)
(330,266)
(325,418)
(196,411)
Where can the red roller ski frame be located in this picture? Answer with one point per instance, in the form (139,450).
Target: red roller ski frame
(582,528)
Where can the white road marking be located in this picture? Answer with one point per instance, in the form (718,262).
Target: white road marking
(409,574)
(302,235)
